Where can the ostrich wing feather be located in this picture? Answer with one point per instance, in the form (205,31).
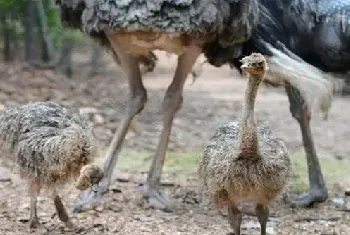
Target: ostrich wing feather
(315,86)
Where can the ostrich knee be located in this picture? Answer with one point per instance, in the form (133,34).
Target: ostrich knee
(135,104)
(171,104)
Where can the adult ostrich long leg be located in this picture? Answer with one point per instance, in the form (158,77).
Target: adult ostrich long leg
(135,104)
(171,104)
(317,189)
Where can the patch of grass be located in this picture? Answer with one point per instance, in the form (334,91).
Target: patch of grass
(139,161)
(300,174)
(335,171)
(132,161)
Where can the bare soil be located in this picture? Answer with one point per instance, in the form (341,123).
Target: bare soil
(214,99)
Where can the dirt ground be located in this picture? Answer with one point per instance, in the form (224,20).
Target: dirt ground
(214,99)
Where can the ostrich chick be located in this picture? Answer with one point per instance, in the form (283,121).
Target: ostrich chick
(49,145)
(244,162)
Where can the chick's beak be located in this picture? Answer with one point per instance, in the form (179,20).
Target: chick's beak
(94,188)
(244,66)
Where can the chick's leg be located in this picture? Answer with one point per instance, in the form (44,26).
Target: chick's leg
(135,104)
(262,212)
(61,211)
(34,191)
(235,219)
(171,104)
(318,190)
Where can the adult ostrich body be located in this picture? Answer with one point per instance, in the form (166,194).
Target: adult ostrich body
(134,28)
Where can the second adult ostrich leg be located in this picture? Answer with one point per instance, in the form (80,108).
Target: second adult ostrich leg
(135,104)
(171,104)
(317,189)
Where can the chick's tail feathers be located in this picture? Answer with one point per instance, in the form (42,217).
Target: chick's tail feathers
(47,151)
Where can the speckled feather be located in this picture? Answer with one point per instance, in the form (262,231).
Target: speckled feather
(71,14)
(229,178)
(328,7)
(231,20)
(310,12)
(46,140)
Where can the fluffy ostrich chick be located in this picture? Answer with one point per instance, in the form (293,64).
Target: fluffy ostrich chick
(244,162)
(49,145)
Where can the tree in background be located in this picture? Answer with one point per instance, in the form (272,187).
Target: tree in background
(33,26)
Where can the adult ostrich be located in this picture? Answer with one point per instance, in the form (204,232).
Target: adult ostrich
(134,28)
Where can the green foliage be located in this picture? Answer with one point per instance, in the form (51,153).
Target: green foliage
(8,3)
(15,11)
(56,28)
(12,9)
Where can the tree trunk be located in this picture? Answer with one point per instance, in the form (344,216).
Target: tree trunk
(8,56)
(44,52)
(15,37)
(346,88)
(95,61)
(65,63)
(48,51)
(30,37)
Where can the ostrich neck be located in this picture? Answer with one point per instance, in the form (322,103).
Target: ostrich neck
(249,137)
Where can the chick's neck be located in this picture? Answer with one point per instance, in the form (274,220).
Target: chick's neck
(249,145)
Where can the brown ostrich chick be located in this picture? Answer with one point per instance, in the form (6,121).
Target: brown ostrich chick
(245,162)
(49,145)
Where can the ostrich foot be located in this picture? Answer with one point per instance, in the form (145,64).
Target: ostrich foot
(90,198)
(71,226)
(307,200)
(156,199)
(34,223)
